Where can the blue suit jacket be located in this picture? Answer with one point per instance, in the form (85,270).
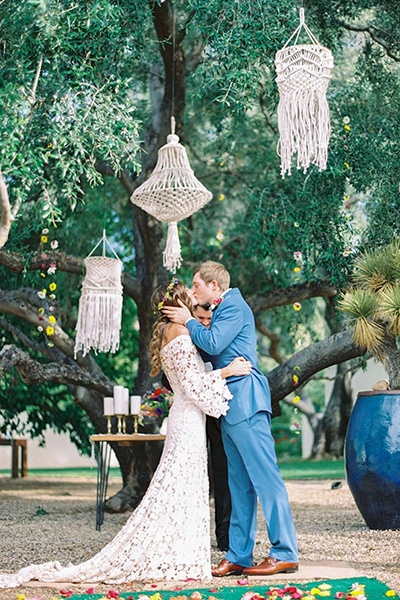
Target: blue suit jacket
(232,334)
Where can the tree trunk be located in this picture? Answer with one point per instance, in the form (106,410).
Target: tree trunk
(330,432)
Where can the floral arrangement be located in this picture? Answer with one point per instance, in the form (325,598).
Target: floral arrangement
(156,402)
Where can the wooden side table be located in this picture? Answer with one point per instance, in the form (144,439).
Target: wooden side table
(16,445)
(103,455)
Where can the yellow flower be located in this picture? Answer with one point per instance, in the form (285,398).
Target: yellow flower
(308,597)
(325,586)
(347,165)
(42,275)
(44,239)
(52,319)
(296,379)
(156,596)
(41,311)
(296,399)
(324,593)
(348,197)
(52,296)
(221,164)
(49,330)
(44,291)
(297,306)
(52,287)
(315,591)
(21,597)
(296,269)
(221,196)
(390,593)
(347,127)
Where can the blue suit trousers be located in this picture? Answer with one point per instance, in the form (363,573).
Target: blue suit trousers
(253,472)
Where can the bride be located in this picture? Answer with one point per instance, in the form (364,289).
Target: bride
(167,536)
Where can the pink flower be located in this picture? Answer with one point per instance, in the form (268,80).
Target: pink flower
(112,595)
(90,591)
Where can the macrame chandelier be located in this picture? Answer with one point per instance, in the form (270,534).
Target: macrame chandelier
(171,193)
(303,74)
(100,304)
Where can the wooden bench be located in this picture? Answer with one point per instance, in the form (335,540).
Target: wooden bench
(16,444)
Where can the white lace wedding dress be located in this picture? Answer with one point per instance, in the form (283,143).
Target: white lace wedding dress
(168,535)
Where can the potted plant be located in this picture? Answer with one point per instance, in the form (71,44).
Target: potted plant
(372,449)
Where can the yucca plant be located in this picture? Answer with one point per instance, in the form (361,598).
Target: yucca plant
(373,307)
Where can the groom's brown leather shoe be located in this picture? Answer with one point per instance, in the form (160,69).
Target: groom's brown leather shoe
(226,568)
(270,566)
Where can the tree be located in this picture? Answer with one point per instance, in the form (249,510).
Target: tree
(83,85)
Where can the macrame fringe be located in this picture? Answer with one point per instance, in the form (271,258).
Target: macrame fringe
(99,322)
(172,258)
(304,126)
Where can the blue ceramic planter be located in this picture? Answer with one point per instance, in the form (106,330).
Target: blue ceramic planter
(372,455)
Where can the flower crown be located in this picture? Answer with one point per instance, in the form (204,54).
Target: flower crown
(167,295)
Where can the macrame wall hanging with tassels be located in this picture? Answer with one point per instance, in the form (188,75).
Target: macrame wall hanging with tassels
(171,193)
(100,304)
(303,74)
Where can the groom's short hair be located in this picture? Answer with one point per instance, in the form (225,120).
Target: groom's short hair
(212,271)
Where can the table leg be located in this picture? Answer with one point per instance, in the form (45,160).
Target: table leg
(103,470)
(14,459)
(24,459)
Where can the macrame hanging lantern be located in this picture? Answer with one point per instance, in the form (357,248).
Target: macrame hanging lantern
(100,304)
(171,193)
(303,74)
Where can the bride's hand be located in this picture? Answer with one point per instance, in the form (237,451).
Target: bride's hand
(239,366)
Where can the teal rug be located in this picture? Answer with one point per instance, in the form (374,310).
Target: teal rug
(316,590)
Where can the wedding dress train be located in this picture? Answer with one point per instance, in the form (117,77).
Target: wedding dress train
(168,535)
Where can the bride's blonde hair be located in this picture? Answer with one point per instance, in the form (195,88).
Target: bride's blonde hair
(178,292)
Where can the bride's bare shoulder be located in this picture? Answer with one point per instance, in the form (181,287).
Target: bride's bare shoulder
(174,330)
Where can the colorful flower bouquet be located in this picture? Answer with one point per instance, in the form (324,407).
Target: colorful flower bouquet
(156,403)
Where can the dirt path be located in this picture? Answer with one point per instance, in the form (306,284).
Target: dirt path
(328,524)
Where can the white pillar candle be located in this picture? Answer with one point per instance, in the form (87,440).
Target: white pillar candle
(136,405)
(121,400)
(108,407)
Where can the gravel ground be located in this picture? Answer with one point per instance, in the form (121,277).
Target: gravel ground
(329,528)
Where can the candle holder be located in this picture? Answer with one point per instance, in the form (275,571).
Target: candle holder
(121,423)
(135,423)
(109,427)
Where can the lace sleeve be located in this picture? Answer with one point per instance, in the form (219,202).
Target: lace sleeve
(207,390)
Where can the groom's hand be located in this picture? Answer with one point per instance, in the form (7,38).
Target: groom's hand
(177,315)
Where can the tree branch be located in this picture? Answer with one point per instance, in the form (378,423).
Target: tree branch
(275,341)
(5,212)
(33,372)
(266,115)
(373,32)
(15,262)
(294,293)
(336,349)
(126,180)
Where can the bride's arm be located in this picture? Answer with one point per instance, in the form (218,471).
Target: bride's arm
(207,390)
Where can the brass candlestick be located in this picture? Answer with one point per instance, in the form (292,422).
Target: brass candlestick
(120,423)
(109,424)
(135,423)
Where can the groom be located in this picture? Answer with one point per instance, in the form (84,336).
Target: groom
(252,468)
